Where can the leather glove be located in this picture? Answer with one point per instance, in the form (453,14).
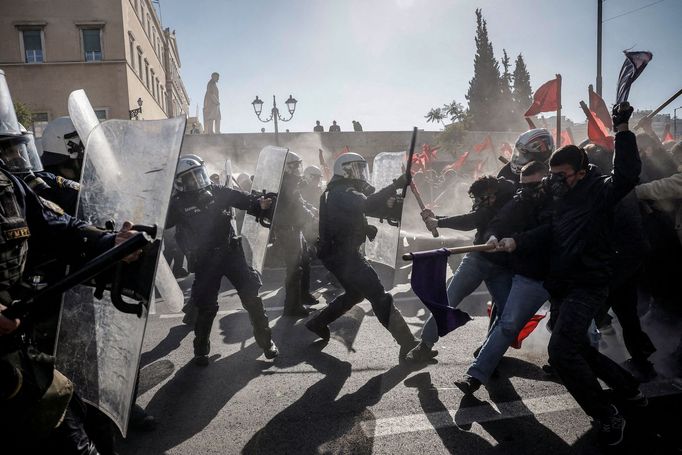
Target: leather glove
(621,113)
(431,223)
(371,232)
(427,213)
(400,182)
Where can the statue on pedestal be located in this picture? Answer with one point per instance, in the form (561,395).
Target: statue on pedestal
(212,106)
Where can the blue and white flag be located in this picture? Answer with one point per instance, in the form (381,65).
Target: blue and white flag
(634,64)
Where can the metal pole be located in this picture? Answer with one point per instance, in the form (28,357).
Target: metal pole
(275,114)
(558,117)
(675,122)
(599,30)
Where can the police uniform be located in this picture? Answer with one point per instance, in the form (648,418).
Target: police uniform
(206,235)
(343,229)
(60,190)
(33,231)
(293,215)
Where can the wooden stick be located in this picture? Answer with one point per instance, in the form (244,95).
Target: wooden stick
(456,250)
(659,108)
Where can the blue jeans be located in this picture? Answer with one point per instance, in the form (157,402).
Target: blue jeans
(474,269)
(525,298)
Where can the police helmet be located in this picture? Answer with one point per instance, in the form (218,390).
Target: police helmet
(9,125)
(293,164)
(191,174)
(61,142)
(312,172)
(533,145)
(351,166)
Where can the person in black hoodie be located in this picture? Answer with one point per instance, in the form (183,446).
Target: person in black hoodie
(530,208)
(489,195)
(580,241)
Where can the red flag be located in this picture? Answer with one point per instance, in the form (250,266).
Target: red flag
(457,165)
(546,98)
(598,106)
(565,138)
(596,131)
(486,144)
(526,330)
(479,168)
(506,150)
(666,134)
(422,160)
(345,149)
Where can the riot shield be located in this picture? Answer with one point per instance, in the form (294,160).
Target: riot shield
(82,114)
(85,120)
(386,167)
(267,179)
(128,174)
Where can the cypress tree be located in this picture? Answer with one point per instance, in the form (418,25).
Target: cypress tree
(485,87)
(521,91)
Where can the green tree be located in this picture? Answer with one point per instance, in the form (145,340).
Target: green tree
(507,108)
(521,91)
(24,114)
(455,111)
(435,115)
(485,87)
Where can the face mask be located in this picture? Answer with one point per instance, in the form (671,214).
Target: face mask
(365,188)
(557,184)
(481,201)
(204,198)
(530,191)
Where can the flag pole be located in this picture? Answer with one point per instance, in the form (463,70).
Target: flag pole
(558,114)
(659,108)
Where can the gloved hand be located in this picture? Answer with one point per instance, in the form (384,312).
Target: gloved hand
(393,200)
(431,223)
(621,114)
(427,213)
(400,182)
(371,232)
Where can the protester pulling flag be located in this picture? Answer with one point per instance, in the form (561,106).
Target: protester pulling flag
(634,64)
(428,283)
(547,98)
(598,106)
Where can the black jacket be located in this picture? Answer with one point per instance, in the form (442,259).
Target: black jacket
(292,210)
(204,219)
(343,215)
(517,216)
(580,235)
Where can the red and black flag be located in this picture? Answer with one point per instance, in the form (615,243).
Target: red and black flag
(634,64)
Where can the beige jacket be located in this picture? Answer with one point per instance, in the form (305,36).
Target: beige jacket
(668,194)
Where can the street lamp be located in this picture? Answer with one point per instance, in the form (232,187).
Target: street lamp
(274,113)
(134,113)
(675,122)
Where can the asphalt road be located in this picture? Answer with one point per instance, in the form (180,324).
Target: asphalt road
(352,395)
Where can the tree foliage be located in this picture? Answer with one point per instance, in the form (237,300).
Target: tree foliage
(521,90)
(24,114)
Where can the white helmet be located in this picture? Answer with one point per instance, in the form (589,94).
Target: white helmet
(351,166)
(312,172)
(533,145)
(191,175)
(61,142)
(293,164)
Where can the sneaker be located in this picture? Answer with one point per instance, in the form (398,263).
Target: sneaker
(611,429)
(468,384)
(321,330)
(421,353)
(271,351)
(201,360)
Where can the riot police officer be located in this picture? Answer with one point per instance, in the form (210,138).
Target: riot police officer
(293,215)
(310,186)
(344,207)
(201,212)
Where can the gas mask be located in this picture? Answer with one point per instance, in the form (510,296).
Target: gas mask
(364,187)
(557,185)
(484,200)
(530,191)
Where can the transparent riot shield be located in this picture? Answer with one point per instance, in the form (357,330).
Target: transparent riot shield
(85,120)
(386,167)
(128,174)
(267,180)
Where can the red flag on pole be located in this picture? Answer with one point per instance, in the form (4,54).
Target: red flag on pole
(457,165)
(596,131)
(666,134)
(547,98)
(598,106)
(486,144)
(565,138)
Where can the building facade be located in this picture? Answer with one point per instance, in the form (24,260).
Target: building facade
(116,50)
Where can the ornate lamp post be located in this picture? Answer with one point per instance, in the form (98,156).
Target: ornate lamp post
(274,113)
(135,113)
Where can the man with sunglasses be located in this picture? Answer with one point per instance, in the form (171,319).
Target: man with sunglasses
(581,253)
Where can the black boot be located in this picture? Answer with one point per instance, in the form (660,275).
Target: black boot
(261,329)
(202,334)
(401,332)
